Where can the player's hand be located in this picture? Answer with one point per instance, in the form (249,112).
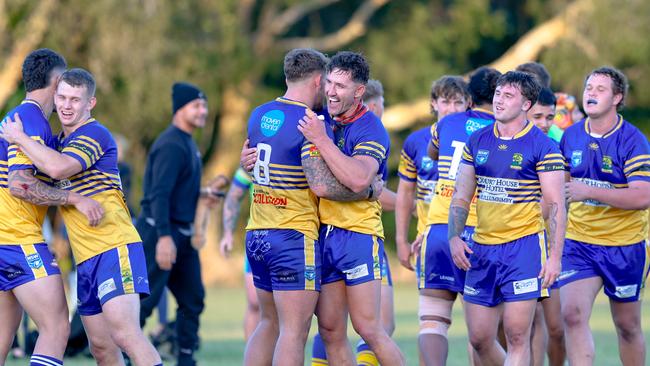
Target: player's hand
(416,245)
(225,246)
(165,252)
(248,157)
(458,248)
(313,128)
(90,208)
(213,193)
(12,130)
(576,191)
(377,187)
(404,254)
(198,241)
(550,271)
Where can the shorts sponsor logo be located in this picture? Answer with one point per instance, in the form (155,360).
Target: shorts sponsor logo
(470,291)
(525,286)
(482,157)
(447,278)
(271,122)
(106,287)
(623,292)
(127,277)
(310,273)
(576,158)
(287,277)
(12,272)
(356,272)
(34,261)
(566,274)
(257,246)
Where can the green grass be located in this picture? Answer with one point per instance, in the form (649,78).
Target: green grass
(222,333)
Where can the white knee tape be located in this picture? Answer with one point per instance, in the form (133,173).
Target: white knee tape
(435,315)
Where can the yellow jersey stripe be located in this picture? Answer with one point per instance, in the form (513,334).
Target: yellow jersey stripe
(69,149)
(310,261)
(372,143)
(375,258)
(636,158)
(91,142)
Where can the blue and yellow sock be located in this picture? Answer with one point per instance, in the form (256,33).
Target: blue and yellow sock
(365,356)
(42,360)
(318,354)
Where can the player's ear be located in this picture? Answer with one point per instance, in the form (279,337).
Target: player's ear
(360,91)
(617,99)
(91,103)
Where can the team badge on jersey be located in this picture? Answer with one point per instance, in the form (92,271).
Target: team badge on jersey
(426,164)
(482,156)
(576,158)
(517,159)
(34,261)
(607,164)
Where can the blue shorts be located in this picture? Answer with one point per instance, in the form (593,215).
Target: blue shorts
(284,260)
(623,269)
(115,272)
(386,278)
(350,256)
(435,268)
(506,272)
(247,266)
(20,264)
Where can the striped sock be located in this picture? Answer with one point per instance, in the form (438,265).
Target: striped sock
(318,355)
(365,356)
(42,360)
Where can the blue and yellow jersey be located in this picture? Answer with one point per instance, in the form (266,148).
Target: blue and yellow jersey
(22,221)
(365,136)
(507,179)
(416,166)
(92,145)
(450,136)
(281,195)
(610,161)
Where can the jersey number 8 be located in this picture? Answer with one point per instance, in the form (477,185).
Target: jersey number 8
(261,169)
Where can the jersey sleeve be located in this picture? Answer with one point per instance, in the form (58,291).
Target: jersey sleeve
(549,156)
(87,147)
(242,179)
(435,135)
(309,150)
(35,127)
(372,141)
(468,154)
(637,158)
(407,169)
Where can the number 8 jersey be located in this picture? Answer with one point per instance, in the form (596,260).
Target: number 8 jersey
(450,136)
(281,195)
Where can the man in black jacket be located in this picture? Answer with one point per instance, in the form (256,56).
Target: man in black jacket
(172,185)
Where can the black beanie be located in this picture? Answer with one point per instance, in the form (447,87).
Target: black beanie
(183,93)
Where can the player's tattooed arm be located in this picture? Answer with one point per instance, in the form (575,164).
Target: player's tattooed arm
(232,207)
(460,201)
(552,226)
(324,184)
(24,185)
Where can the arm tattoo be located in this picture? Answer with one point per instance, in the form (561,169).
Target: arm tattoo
(24,185)
(319,174)
(457,219)
(552,226)
(231,208)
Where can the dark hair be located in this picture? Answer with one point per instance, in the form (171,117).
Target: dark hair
(619,82)
(300,63)
(546,97)
(525,82)
(538,70)
(374,89)
(351,62)
(448,86)
(482,84)
(80,77)
(38,67)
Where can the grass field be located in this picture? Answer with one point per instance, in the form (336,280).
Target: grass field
(223,345)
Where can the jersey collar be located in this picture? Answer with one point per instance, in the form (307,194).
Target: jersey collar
(482,110)
(524,131)
(617,125)
(289,101)
(30,101)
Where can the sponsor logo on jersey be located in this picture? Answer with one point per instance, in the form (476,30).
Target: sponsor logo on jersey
(503,147)
(474,124)
(482,157)
(263,198)
(271,122)
(525,286)
(426,164)
(517,159)
(576,158)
